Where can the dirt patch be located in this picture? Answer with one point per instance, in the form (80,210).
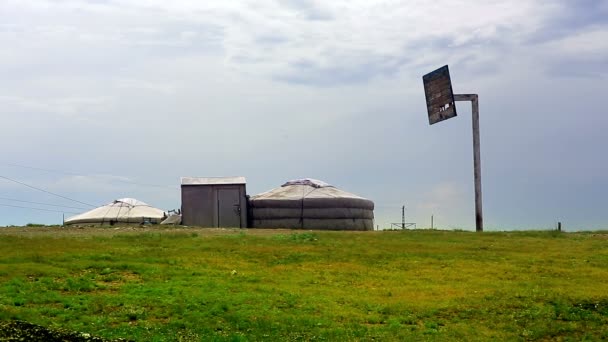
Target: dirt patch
(24,331)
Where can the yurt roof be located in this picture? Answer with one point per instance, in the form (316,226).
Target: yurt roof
(306,188)
(315,183)
(120,210)
(128,201)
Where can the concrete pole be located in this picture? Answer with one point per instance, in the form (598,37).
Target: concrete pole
(476,156)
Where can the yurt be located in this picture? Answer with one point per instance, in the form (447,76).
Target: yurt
(311,204)
(120,211)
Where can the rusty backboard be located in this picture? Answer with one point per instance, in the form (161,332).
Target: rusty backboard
(439,95)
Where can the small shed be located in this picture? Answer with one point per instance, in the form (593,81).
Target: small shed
(214,202)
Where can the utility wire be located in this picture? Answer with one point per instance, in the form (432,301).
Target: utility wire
(55,211)
(52,205)
(39,168)
(81,175)
(48,192)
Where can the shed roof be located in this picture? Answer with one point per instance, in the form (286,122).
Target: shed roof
(213,180)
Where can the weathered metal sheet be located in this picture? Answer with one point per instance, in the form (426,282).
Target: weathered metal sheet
(439,95)
(206,205)
(229,207)
(199,205)
(204,201)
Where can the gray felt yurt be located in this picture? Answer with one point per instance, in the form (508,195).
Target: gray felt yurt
(311,204)
(120,211)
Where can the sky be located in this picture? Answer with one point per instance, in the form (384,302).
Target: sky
(104,99)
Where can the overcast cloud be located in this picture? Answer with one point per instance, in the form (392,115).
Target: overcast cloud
(121,98)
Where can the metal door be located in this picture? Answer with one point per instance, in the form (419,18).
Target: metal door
(228,208)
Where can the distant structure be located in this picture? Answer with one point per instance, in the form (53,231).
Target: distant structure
(403,224)
(120,211)
(214,202)
(311,204)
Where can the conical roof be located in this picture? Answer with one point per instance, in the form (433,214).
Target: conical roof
(124,210)
(312,193)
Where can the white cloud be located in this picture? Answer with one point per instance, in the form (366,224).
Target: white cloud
(356,41)
(271,89)
(593,44)
(72,108)
(154,87)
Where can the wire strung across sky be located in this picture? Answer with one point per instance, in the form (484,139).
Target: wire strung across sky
(38,168)
(379,205)
(51,210)
(82,175)
(52,205)
(113,179)
(48,192)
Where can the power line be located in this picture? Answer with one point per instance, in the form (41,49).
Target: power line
(55,211)
(39,168)
(82,175)
(48,192)
(52,205)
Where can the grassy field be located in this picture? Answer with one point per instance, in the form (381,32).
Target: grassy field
(248,285)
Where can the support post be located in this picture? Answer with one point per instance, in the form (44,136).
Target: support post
(476,156)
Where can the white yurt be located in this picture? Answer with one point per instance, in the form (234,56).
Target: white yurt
(120,211)
(311,204)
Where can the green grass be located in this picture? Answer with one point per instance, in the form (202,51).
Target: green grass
(190,285)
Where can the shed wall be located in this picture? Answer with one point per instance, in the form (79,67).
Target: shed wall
(200,204)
